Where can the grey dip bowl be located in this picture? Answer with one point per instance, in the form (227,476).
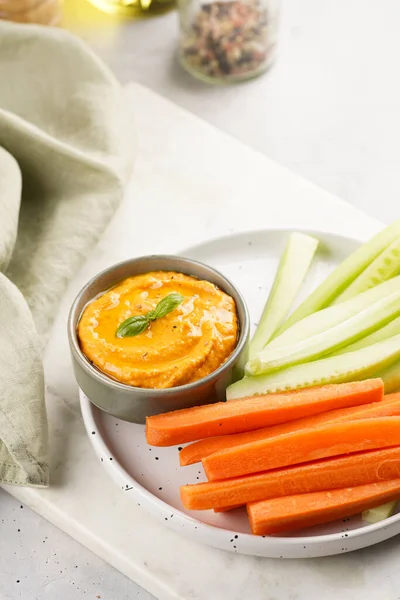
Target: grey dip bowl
(133,403)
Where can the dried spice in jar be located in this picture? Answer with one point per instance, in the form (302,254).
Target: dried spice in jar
(227,41)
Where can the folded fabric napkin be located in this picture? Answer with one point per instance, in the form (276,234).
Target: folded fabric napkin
(65,155)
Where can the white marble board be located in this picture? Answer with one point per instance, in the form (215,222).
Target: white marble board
(191,183)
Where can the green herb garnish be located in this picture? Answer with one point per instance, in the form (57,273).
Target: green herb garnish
(136,325)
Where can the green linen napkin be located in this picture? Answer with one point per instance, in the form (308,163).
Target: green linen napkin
(65,156)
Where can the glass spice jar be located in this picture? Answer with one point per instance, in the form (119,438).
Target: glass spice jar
(227,40)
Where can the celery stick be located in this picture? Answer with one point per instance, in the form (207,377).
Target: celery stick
(314,347)
(352,366)
(389,330)
(384,267)
(379,513)
(344,274)
(292,269)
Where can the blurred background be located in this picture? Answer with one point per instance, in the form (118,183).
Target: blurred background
(328,109)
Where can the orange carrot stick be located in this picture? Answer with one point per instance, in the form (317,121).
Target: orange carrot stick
(195,452)
(357,469)
(303,510)
(247,414)
(301,446)
(223,509)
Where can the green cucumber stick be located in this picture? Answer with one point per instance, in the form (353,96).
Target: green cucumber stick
(351,329)
(385,332)
(379,513)
(292,270)
(384,267)
(352,366)
(344,274)
(331,316)
(391,377)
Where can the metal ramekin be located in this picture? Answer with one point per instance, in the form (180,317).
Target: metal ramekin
(133,403)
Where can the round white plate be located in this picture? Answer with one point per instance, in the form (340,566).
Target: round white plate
(151,477)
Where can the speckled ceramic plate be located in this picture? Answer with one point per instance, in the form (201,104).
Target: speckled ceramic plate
(152,476)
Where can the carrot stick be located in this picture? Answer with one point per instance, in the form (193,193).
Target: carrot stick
(251,413)
(305,445)
(223,509)
(303,510)
(327,474)
(196,451)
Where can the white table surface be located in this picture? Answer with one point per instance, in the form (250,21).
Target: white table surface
(329,110)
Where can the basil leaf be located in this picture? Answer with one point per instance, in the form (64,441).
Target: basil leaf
(166,305)
(133,326)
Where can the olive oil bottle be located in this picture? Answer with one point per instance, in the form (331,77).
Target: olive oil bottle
(133,8)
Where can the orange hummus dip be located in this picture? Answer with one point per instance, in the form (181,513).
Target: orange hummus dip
(185,345)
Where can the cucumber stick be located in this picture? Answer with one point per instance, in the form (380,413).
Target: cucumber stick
(352,366)
(334,315)
(384,267)
(293,267)
(374,515)
(389,330)
(391,377)
(349,330)
(314,328)
(344,274)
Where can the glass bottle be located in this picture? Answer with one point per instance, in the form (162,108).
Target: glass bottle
(227,40)
(44,12)
(133,8)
